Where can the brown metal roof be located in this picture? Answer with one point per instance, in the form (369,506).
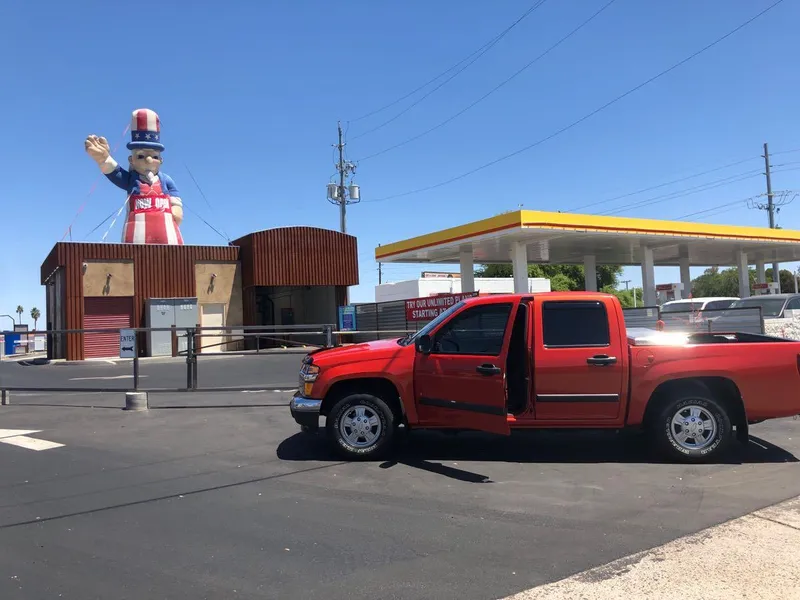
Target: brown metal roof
(298,256)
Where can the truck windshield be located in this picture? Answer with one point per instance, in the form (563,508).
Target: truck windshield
(431,325)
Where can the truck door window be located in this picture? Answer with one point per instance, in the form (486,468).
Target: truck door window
(475,331)
(577,324)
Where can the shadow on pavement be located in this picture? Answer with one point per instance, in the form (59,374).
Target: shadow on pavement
(418,449)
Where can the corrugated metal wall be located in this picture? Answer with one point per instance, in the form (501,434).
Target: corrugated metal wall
(159,272)
(293,256)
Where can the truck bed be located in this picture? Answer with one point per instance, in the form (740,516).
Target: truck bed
(640,336)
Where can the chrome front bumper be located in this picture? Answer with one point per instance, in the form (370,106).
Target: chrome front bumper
(305,405)
(305,411)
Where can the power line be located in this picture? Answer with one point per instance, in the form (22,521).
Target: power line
(493,90)
(713,208)
(585,117)
(688,191)
(665,184)
(483,50)
(785,151)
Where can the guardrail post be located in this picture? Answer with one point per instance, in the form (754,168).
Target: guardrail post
(198,344)
(174,336)
(189,357)
(5,397)
(328,336)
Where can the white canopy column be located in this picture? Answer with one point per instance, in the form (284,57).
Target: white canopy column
(467,270)
(686,275)
(648,277)
(519,264)
(761,271)
(744,274)
(590,272)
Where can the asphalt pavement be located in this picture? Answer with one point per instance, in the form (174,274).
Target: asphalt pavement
(219,496)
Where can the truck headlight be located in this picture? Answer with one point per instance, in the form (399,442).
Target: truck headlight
(308,375)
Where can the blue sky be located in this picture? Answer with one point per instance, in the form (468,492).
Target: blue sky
(249,95)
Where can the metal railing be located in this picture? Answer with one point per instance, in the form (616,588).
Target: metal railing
(285,335)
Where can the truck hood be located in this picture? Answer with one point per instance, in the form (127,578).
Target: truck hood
(358,352)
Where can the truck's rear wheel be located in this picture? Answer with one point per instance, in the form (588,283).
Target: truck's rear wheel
(361,426)
(693,428)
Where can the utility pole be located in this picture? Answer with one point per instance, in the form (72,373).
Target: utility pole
(776,274)
(340,193)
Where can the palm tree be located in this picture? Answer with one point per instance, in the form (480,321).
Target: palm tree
(20,310)
(35,314)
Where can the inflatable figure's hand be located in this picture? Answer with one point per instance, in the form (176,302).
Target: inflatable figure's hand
(97,148)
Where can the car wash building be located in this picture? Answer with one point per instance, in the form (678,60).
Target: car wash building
(283,276)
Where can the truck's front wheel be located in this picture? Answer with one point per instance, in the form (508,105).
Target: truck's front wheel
(693,428)
(361,426)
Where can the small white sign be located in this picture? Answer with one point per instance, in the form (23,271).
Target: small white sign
(127,343)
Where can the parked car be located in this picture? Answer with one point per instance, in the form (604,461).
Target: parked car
(692,314)
(773,306)
(549,360)
(697,304)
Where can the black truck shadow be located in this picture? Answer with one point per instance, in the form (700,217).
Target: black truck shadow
(418,449)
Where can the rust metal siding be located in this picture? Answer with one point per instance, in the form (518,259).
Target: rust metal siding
(159,271)
(105,313)
(294,256)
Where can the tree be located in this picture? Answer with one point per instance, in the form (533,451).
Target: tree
(626,296)
(35,314)
(787,280)
(20,310)
(562,278)
(725,282)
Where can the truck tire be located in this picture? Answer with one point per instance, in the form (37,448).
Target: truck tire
(693,427)
(361,426)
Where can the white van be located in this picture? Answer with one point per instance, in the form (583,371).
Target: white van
(697,304)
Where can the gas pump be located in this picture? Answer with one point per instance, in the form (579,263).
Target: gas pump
(763,289)
(669,291)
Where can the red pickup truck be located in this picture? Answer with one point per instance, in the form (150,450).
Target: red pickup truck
(550,360)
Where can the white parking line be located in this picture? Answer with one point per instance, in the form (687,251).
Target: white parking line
(105,378)
(19,437)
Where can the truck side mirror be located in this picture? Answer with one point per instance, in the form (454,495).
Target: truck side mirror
(424,344)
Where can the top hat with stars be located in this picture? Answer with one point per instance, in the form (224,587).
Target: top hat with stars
(145,130)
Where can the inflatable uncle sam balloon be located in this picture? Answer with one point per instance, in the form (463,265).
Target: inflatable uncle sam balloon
(154,209)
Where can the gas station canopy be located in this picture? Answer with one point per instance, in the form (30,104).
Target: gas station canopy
(564,238)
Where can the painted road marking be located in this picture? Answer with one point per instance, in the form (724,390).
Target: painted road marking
(19,437)
(105,378)
(266,391)
(755,556)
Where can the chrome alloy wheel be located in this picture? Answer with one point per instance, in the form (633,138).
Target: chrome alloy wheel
(360,426)
(693,427)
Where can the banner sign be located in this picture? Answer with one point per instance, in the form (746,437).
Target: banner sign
(425,309)
(347,318)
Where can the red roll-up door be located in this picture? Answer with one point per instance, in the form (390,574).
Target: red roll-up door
(105,313)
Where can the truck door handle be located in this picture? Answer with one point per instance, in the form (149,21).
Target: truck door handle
(487,369)
(601,360)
